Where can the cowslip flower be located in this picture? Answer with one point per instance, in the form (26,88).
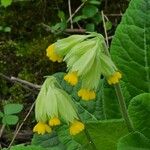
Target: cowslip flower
(87,61)
(59,49)
(50,108)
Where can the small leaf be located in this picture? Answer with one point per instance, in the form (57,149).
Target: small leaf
(134,141)
(6,3)
(10,119)
(78,18)
(7,29)
(12,108)
(1,28)
(139,112)
(97,19)
(90,27)
(108,25)
(89,11)
(95,2)
(61,15)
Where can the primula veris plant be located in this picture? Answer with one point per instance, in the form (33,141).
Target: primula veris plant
(53,105)
(86,59)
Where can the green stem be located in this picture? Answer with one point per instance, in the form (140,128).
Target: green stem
(123,108)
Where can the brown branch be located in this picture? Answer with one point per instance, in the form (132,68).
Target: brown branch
(25,82)
(70,14)
(76,11)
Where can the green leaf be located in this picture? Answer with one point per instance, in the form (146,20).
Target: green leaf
(90,27)
(48,141)
(94,2)
(65,138)
(88,110)
(7,29)
(1,28)
(97,19)
(61,15)
(22,147)
(12,108)
(78,18)
(134,141)
(89,10)
(105,134)
(108,25)
(10,119)
(6,3)
(130,47)
(139,112)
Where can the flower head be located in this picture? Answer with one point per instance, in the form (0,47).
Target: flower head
(42,128)
(51,104)
(76,127)
(89,61)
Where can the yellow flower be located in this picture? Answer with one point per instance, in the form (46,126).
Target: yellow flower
(53,56)
(71,78)
(76,127)
(86,94)
(42,128)
(54,121)
(114,78)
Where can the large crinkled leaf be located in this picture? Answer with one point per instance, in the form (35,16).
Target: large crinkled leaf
(139,112)
(130,47)
(88,110)
(105,134)
(66,139)
(134,141)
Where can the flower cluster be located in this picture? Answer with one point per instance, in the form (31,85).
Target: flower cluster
(50,108)
(86,61)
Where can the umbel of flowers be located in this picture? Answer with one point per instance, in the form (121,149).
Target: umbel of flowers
(53,105)
(86,61)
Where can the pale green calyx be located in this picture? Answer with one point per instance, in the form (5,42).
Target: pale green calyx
(63,46)
(89,61)
(52,102)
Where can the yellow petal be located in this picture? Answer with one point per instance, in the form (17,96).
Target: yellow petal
(71,78)
(86,94)
(54,121)
(76,127)
(114,78)
(41,128)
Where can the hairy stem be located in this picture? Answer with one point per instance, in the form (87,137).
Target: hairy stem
(123,108)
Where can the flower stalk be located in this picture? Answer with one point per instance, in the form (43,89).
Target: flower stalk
(123,107)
